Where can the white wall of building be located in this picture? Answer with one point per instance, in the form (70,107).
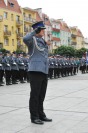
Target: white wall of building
(65,38)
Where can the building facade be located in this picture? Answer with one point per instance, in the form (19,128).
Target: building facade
(65,33)
(85,43)
(29,17)
(11,25)
(55,33)
(77,39)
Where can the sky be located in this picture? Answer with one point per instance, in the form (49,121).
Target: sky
(73,12)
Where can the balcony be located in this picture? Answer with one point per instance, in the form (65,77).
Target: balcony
(19,22)
(73,43)
(7,33)
(29,20)
(19,35)
(73,35)
(56,30)
(55,39)
(1,18)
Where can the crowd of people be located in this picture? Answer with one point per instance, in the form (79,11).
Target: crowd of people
(14,67)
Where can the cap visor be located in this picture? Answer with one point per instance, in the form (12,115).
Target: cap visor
(43,27)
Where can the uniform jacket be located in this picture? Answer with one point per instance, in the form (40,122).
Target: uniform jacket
(20,62)
(6,63)
(1,64)
(38,60)
(13,62)
(51,62)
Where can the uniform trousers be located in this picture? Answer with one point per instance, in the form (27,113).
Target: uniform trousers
(38,84)
(1,75)
(14,74)
(8,76)
(21,74)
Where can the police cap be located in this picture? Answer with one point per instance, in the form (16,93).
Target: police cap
(39,24)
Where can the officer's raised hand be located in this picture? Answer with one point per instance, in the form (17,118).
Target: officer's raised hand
(38,30)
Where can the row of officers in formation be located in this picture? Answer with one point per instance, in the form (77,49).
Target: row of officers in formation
(14,67)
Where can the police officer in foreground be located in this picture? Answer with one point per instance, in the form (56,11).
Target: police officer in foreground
(38,70)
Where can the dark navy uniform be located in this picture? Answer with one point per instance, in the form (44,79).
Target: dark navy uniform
(51,67)
(14,68)
(1,69)
(21,66)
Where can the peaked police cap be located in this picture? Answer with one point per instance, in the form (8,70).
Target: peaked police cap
(39,24)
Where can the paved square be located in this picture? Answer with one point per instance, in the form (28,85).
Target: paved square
(66,103)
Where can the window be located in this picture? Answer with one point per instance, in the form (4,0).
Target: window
(29,15)
(17,18)
(18,30)
(12,29)
(55,26)
(11,4)
(6,41)
(55,43)
(5,28)
(24,15)
(12,42)
(12,17)
(29,29)
(5,15)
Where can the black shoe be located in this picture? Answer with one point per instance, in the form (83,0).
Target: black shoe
(2,82)
(37,121)
(45,119)
(1,85)
(8,84)
(14,83)
(22,82)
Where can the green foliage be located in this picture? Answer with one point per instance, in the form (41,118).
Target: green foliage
(2,50)
(70,51)
(19,51)
(81,52)
(65,50)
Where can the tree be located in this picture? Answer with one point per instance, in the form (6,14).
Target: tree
(2,50)
(65,50)
(81,52)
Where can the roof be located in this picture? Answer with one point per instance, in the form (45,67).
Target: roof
(46,19)
(27,8)
(16,7)
(79,33)
(38,18)
(64,26)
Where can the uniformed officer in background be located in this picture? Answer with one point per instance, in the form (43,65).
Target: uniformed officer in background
(21,66)
(38,70)
(51,67)
(14,67)
(1,69)
(7,67)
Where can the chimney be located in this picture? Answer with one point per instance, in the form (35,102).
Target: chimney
(6,2)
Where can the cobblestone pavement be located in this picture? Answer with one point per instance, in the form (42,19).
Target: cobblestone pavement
(66,103)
